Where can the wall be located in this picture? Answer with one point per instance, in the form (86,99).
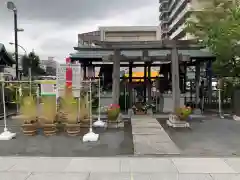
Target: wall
(130,33)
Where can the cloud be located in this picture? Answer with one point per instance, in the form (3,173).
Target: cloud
(51,26)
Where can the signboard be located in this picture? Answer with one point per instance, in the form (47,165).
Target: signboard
(76,75)
(75,79)
(48,90)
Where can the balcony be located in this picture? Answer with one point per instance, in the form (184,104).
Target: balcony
(180,17)
(177,8)
(178,32)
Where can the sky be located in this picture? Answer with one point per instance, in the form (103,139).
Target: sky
(51,26)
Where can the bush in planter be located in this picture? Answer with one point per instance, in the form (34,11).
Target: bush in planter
(28,111)
(113,112)
(48,115)
(183,113)
(70,108)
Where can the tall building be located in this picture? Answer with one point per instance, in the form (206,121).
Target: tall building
(173,15)
(49,66)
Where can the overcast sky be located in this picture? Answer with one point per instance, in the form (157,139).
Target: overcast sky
(51,26)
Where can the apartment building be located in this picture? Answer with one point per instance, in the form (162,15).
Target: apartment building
(173,15)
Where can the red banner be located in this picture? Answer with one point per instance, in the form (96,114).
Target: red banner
(68,73)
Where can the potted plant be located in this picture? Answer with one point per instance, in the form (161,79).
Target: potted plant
(113,112)
(28,110)
(70,109)
(183,113)
(84,111)
(48,116)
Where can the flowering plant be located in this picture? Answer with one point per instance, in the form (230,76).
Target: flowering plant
(183,113)
(113,112)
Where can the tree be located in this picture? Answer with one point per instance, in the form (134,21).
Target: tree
(32,61)
(217,25)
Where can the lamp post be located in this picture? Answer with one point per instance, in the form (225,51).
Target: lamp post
(11,6)
(11,43)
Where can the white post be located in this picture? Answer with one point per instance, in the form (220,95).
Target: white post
(99,99)
(4,108)
(90,136)
(6,134)
(37,92)
(90,104)
(125,96)
(30,81)
(17,97)
(99,122)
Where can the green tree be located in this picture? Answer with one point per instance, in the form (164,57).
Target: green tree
(217,25)
(32,61)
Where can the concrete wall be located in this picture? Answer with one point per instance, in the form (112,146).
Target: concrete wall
(130,33)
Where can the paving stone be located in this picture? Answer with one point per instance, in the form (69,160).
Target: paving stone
(225,176)
(202,165)
(6,164)
(40,164)
(110,176)
(194,177)
(147,165)
(59,176)
(154,176)
(13,176)
(234,163)
(94,165)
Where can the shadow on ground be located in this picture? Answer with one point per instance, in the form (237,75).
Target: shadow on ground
(112,142)
(210,137)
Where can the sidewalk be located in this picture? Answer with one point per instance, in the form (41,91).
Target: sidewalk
(125,168)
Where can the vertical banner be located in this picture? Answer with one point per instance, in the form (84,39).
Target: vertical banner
(68,73)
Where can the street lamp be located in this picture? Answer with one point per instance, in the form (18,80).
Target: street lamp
(11,6)
(11,43)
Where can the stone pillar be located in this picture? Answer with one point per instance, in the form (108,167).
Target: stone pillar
(209,77)
(116,77)
(149,87)
(197,83)
(175,79)
(130,85)
(84,69)
(145,81)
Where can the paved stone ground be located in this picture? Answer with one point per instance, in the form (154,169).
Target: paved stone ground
(149,138)
(113,142)
(210,136)
(119,168)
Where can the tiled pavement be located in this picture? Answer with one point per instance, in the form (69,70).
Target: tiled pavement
(125,168)
(149,138)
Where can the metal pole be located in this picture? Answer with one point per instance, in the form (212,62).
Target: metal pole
(125,94)
(38,104)
(4,108)
(99,99)
(30,80)
(90,105)
(18,99)
(16,41)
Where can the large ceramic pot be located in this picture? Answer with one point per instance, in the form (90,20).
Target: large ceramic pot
(73,129)
(29,129)
(183,113)
(113,112)
(49,129)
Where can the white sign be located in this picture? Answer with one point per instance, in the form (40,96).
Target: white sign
(76,75)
